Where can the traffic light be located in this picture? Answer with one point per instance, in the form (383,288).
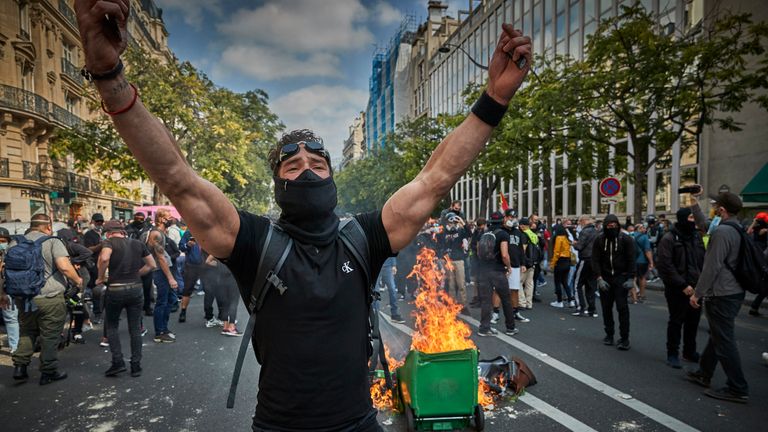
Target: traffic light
(66,194)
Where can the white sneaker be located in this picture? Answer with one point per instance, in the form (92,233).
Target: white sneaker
(765,357)
(556,304)
(214,322)
(494,318)
(572,303)
(521,318)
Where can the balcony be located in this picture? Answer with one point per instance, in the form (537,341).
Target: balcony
(19,99)
(68,13)
(72,72)
(96,186)
(4,168)
(64,117)
(79,183)
(145,32)
(31,171)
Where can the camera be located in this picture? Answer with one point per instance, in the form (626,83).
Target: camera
(691,189)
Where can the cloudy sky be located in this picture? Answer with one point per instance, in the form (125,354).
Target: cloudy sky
(313,57)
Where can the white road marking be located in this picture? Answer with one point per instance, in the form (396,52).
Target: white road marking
(529,399)
(612,392)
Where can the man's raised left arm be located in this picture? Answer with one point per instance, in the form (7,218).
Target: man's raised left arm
(405,212)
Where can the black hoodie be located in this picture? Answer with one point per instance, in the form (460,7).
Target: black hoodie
(612,258)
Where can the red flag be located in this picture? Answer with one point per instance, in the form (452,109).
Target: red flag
(503,202)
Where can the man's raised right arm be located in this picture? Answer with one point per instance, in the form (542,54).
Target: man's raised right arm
(207,211)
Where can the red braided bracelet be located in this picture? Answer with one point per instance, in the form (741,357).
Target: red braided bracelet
(122,110)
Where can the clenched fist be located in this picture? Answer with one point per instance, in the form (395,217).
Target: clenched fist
(103,30)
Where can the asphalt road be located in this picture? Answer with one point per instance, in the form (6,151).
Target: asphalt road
(582,385)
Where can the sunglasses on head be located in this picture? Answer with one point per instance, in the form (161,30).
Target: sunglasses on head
(291,149)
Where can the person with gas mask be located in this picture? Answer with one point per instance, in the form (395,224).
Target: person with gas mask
(680,259)
(613,264)
(312,321)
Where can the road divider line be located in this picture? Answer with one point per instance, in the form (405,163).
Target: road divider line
(548,410)
(612,392)
(554,413)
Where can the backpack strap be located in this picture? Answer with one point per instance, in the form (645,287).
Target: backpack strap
(742,235)
(355,240)
(277,246)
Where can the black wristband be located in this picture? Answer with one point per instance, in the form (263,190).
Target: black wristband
(91,77)
(488,110)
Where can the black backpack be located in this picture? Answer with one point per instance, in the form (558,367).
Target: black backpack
(275,250)
(751,267)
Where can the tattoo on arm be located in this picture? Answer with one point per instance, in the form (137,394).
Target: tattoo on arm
(119,87)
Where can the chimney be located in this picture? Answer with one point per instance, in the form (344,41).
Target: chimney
(436,10)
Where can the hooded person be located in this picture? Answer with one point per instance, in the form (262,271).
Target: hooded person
(680,260)
(613,264)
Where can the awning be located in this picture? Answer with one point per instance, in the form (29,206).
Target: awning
(756,191)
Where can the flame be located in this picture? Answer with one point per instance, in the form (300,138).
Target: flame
(381,397)
(437,327)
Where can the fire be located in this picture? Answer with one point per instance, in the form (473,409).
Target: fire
(437,327)
(381,397)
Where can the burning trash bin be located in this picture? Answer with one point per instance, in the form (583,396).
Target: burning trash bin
(439,391)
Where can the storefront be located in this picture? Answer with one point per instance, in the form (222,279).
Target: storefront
(122,210)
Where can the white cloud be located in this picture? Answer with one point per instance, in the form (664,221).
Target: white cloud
(193,10)
(385,14)
(328,110)
(267,63)
(302,25)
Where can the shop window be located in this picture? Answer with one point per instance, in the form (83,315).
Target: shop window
(37,207)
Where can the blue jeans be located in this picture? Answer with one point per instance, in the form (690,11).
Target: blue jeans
(162,302)
(721,347)
(387,278)
(11,318)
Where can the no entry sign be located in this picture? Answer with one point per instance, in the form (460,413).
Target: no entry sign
(610,187)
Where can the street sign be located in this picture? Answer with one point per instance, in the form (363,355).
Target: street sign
(609,200)
(610,187)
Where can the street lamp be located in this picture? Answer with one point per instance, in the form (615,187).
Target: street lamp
(446,48)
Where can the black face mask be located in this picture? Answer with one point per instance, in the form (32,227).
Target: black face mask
(307,205)
(612,233)
(686,227)
(168,224)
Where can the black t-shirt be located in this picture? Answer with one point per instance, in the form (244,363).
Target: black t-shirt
(497,264)
(126,259)
(91,238)
(517,240)
(312,341)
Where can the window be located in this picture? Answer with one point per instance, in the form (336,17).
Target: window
(24,20)
(71,104)
(537,12)
(68,52)
(27,81)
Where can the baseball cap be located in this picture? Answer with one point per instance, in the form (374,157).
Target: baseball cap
(729,201)
(97,217)
(763,216)
(496,216)
(525,221)
(5,233)
(113,225)
(510,213)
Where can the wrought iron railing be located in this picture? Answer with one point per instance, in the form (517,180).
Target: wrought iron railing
(68,13)
(16,98)
(4,172)
(31,170)
(65,117)
(78,182)
(72,71)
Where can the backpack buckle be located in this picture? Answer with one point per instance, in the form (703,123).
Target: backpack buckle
(277,282)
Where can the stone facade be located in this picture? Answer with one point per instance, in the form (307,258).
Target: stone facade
(41,92)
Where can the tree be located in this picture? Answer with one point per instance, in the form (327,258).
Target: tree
(655,88)
(224,135)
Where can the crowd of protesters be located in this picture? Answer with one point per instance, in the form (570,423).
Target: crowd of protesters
(599,268)
(94,273)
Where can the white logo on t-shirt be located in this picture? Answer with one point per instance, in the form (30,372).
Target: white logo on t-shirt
(346,268)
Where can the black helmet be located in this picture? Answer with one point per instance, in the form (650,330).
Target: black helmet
(4,233)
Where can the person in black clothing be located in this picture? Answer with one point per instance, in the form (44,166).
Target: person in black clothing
(518,242)
(455,241)
(759,232)
(136,230)
(92,240)
(680,261)
(314,373)
(585,280)
(194,270)
(474,262)
(127,260)
(492,277)
(613,263)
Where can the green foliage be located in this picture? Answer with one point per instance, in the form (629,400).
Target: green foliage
(224,135)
